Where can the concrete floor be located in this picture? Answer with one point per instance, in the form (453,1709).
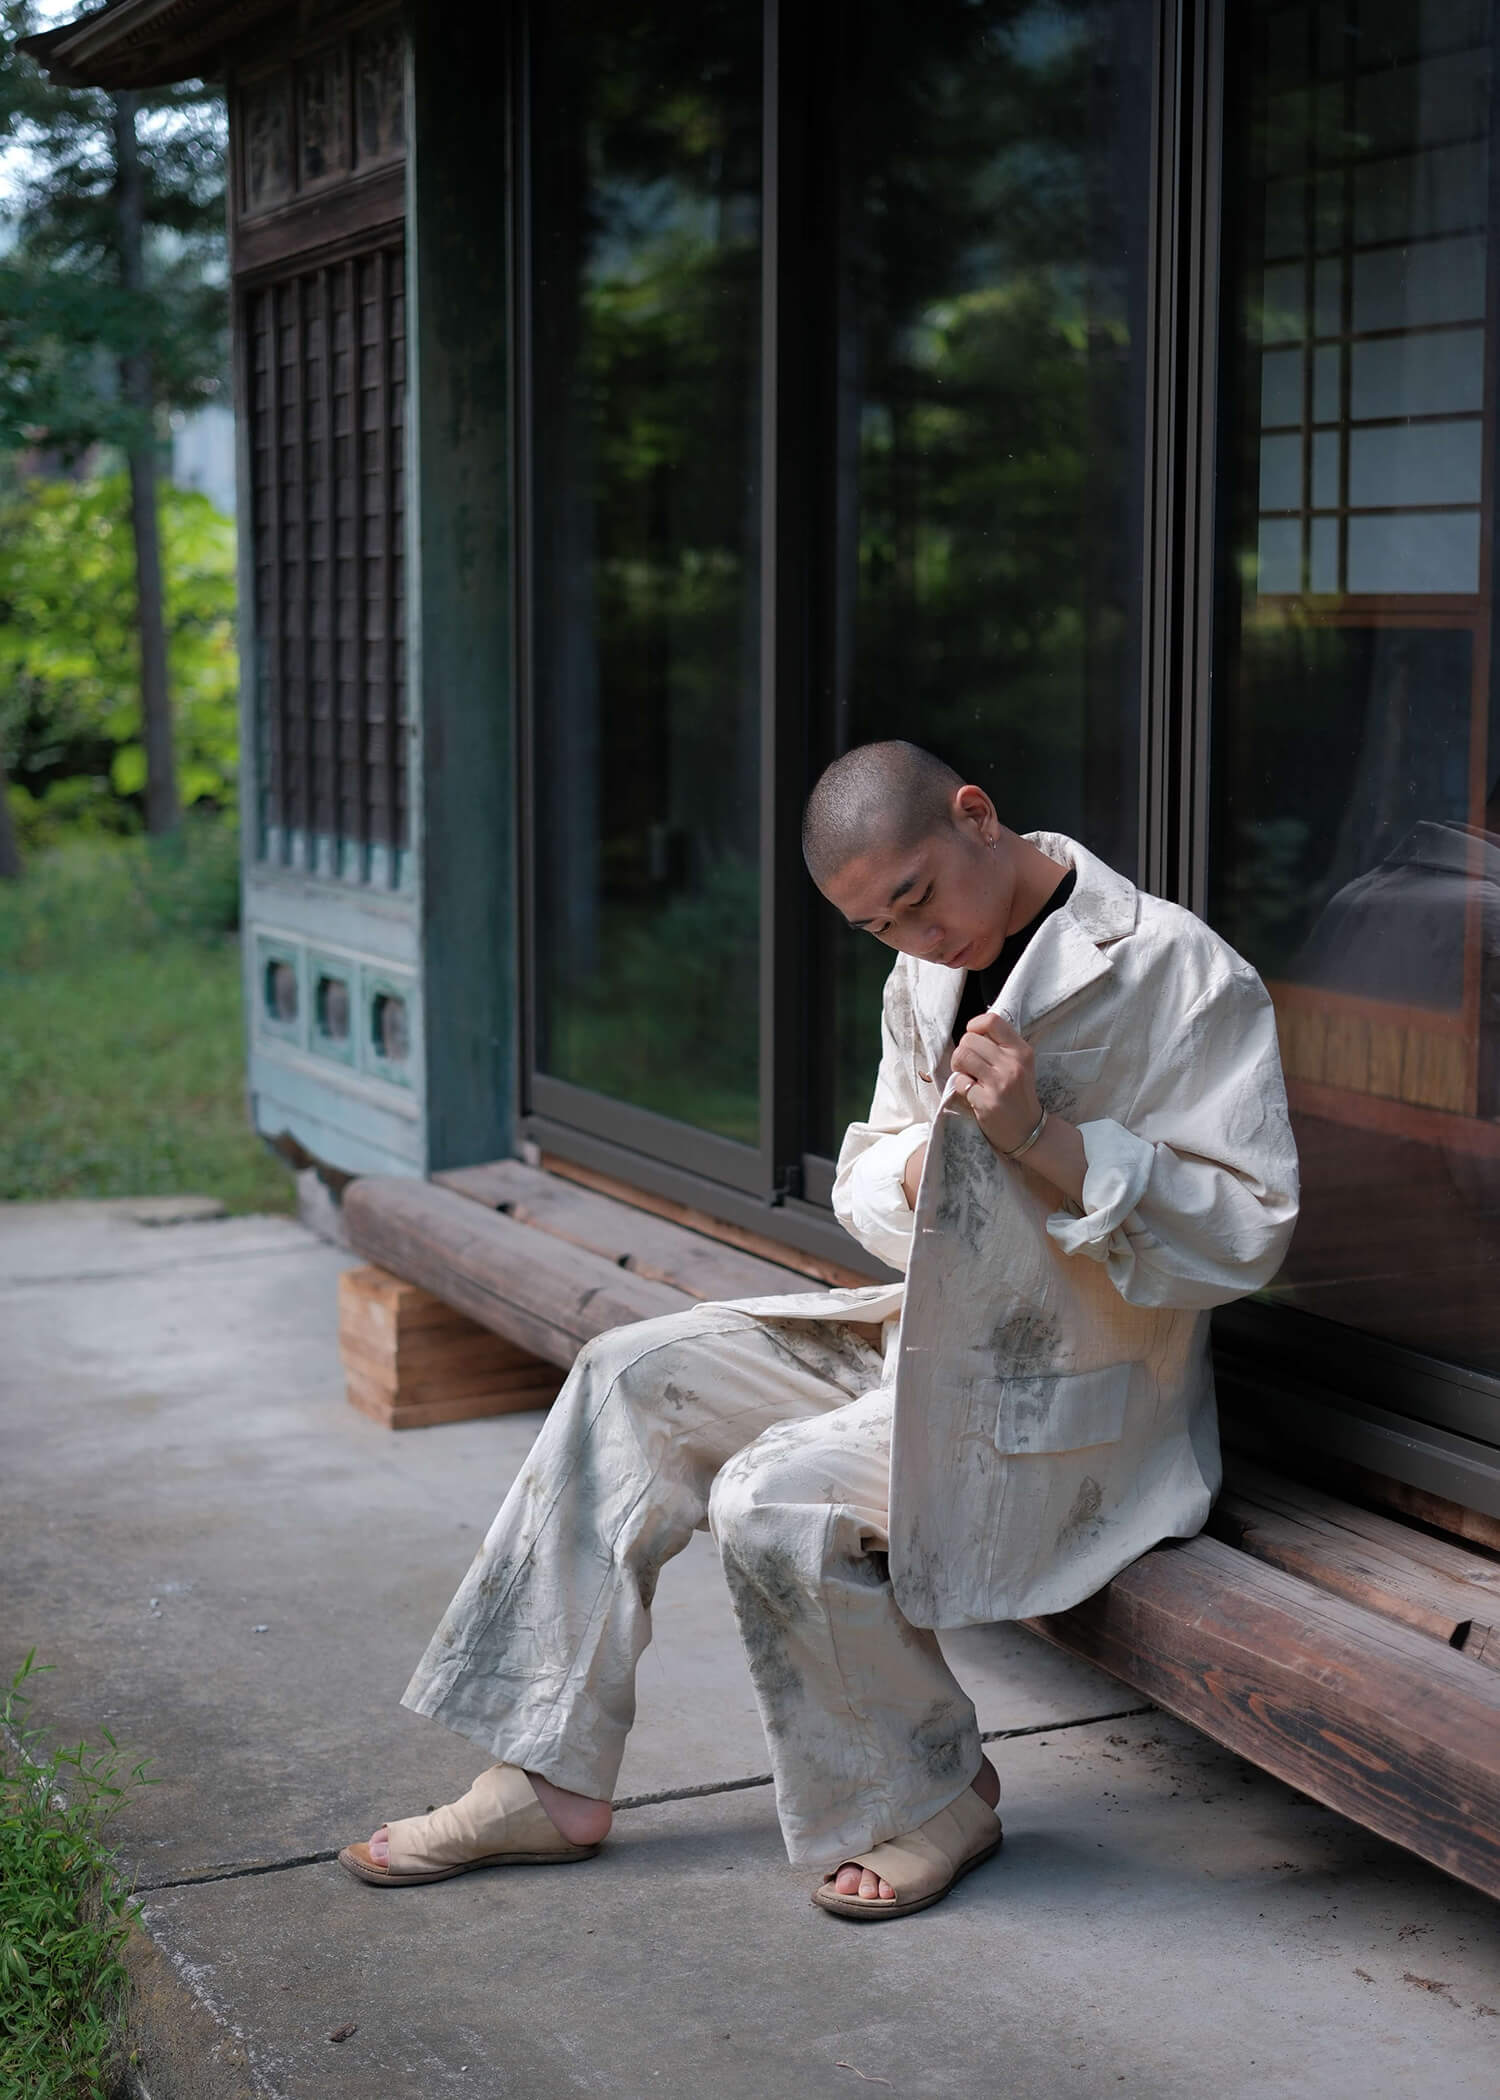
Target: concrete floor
(234,1571)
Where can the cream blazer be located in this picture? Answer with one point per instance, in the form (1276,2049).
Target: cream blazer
(1054,1403)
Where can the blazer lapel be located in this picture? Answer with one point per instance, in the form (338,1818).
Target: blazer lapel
(935,995)
(1071,949)
(1068,953)
(1060,961)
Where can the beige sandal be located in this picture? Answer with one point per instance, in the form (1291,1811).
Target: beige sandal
(499,1822)
(923,1864)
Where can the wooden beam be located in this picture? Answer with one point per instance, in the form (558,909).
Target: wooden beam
(1384,1724)
(1257,1426)
(759,1243)
(1444,1556)
(536,1291)
(1374,1576)
(637,1240)
(1475,1525)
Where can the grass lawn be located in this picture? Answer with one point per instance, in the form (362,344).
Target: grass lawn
(122,1063)
(64,1916)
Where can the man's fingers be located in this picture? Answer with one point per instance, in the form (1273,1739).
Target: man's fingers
(981,1057)
(996,1028)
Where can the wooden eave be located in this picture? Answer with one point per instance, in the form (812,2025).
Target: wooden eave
(144,43)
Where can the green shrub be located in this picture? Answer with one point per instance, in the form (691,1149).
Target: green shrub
(191,881)
(99,897)
(64,1916)
(70,710)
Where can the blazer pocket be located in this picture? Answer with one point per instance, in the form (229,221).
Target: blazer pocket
(1062,1411)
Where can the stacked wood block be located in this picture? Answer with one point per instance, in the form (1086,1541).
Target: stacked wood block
(411,1361)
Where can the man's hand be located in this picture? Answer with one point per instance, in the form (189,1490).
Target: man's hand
(997,1080)
(996,1073)
(911,1175)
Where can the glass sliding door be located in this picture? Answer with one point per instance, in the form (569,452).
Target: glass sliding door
(944,455)
(984,413)
(1355,817)
(642,547)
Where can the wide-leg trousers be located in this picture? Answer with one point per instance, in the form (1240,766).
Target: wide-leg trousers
(776,1433)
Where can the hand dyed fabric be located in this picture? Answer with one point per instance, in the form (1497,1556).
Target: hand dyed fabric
(776,1432)
(1041,1411)
(1054,1408)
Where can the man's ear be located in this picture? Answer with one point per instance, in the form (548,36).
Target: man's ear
(973,810)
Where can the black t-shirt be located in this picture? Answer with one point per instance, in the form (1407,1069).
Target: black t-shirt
(983,987)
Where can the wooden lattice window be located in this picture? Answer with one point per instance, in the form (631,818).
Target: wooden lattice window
(325,347)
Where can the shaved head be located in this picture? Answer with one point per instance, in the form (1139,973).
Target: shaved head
(877,796)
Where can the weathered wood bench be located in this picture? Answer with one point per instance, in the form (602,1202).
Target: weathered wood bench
(1354,1656)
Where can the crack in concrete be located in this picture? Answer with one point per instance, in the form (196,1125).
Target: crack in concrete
(192,1261)
(626,1801)
(237,1873)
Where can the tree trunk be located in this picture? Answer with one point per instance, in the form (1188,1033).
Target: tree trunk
(10,852)
(163,812)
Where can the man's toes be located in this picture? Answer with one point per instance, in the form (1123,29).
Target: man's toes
(861,1881)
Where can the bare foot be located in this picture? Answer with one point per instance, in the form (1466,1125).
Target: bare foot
(581,1820)
(859,1881)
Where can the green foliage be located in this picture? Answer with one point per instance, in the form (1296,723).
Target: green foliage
(64,1918)
(70,715)
(97,898)
(65,323)
(122,1055)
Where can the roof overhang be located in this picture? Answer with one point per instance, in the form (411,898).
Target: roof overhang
(143,43)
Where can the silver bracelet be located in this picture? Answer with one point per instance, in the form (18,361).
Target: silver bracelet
(1027,1142)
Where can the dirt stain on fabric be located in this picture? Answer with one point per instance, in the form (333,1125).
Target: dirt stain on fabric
(939,1740)
(769,1598)
(1084,1514)
(966,1198)
(1028,1338)
(1056,1095)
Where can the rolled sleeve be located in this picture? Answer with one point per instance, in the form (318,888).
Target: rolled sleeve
(868,1199)
(1117,1174)
(878,1213)
(1174,1229)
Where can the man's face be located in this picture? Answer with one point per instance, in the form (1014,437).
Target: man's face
(947,900)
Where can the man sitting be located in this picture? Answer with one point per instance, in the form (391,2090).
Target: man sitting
(1078,1144)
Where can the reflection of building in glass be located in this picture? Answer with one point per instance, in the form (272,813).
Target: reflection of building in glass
(1373,306)
(1356,722)
(1412,946)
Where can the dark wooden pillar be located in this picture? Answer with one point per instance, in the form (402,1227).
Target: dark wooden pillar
(458,240)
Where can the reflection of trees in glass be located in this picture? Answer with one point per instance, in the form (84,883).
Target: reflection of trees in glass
(646,293)
(992,247)
(985,258)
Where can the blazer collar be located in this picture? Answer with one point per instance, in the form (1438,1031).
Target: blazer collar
(1068,953)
